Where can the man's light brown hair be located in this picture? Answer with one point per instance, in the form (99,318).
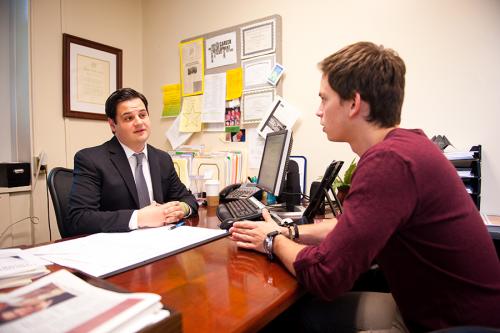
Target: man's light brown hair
(376,73)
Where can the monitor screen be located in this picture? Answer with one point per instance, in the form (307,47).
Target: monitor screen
(274,159)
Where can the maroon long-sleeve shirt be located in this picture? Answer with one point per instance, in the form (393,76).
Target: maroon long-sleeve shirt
(408,209)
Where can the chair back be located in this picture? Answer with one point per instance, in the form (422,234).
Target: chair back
(59,183)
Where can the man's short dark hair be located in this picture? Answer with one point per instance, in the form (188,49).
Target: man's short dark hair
(376,73)
(122,95)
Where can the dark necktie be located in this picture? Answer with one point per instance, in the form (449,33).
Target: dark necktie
(140,182)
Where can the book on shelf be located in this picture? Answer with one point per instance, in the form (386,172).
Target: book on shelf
(62,302)
(18,267)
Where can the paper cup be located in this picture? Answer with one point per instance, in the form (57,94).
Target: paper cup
(212,190)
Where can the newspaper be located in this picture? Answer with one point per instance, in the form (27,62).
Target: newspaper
(18,267)
(61,302)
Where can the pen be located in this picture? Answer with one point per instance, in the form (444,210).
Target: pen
(173,226)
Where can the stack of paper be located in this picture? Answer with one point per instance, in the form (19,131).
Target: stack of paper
(459,155)
(18,267)
(61,302)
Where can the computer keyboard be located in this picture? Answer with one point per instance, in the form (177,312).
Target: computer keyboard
(243,209)
(243,192)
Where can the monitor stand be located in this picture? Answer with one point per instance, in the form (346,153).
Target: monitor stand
(281,210)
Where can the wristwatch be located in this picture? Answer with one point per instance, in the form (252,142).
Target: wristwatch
(269,243)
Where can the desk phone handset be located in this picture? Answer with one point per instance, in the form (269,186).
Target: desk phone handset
(238,191)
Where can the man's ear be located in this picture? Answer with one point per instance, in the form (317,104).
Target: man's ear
(355,106)
(112,125)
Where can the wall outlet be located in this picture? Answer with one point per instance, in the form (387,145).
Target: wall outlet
(40,163)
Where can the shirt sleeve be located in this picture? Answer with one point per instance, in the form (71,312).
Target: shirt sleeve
(132,224)
(381,199)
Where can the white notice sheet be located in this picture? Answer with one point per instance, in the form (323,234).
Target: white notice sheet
(105,253)
(214,99)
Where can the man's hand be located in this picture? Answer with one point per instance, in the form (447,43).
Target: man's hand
(251,235)
(156,215)
(173,211)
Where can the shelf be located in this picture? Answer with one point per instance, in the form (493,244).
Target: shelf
(15,189)
(468,166)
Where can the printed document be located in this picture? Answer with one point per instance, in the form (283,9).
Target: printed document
(106,253)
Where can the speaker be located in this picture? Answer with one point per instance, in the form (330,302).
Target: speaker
(291,191)
(314,187)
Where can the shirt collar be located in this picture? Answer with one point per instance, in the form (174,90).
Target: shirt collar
(129,152)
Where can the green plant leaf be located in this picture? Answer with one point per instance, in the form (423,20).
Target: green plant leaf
(348,173)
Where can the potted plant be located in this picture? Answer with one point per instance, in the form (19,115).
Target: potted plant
(343,184)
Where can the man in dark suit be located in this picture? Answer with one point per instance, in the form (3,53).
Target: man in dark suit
(125,184)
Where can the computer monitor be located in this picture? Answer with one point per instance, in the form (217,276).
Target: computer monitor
(275,157)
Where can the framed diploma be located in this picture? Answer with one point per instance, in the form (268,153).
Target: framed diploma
(91,72)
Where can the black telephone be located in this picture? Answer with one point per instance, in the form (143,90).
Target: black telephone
(238,191)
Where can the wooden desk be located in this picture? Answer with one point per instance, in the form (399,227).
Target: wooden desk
(494,219)
(216,287)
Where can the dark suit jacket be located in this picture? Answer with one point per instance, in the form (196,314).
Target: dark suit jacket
(103,195)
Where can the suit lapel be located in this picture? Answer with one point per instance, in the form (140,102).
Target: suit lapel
(154,169)
(119,160)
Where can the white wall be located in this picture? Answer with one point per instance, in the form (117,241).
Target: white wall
(116,23)
(450,48)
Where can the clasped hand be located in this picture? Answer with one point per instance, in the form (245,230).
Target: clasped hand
(157,215)
(250,234)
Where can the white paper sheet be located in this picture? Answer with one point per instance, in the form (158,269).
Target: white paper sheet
(221,50)
(255,148)
(214,127)
(214,98)
(103,253)
(280,115)
(176,137)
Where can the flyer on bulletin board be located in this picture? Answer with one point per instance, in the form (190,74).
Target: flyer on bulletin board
(192,67)
(171,100)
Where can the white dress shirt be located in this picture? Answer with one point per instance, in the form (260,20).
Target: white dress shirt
(132,224)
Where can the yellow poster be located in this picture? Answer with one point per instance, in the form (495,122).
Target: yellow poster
(191,114)
(171,100)
(234,83)
(192,67)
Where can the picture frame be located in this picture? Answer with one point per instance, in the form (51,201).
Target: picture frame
(91,72)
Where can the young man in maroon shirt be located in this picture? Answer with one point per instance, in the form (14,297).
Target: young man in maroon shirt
(407,209)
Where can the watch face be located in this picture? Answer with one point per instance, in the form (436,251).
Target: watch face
(268,242)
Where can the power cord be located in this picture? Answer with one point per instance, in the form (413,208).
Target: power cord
(48,206)
(31,218)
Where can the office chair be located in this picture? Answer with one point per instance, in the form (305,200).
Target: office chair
(59,183)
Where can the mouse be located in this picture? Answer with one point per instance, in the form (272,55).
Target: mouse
(226,224)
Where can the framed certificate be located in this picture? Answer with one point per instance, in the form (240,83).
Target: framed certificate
(91,72)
